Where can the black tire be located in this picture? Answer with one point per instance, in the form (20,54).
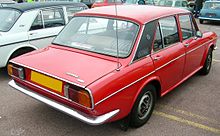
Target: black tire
(141,113)
(208,63)
(201,21)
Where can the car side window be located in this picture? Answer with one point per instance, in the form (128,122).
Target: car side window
(158,43)
(178,4)
(53,17)
(145,44)
(186,27)
(169,30)
(38,23)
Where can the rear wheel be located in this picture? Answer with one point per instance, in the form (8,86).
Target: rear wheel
(143,106)
(208,63)
(201,21)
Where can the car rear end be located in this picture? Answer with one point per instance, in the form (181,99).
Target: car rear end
(73,99)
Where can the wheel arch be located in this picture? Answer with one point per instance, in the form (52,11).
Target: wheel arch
(20,48)
(212,46)
(155,81)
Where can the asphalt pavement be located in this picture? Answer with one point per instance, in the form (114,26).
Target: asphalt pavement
(192,109)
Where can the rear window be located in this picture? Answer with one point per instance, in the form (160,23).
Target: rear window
(8,17)
(100,35)
(212,5)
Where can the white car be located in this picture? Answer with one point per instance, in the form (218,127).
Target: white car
(29,26)
(4,3)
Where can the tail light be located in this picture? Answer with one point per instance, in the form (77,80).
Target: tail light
(16,71)
(78,95)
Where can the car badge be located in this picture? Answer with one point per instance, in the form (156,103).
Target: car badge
(80,80)
(73,75)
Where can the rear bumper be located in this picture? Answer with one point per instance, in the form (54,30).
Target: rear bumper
(212,19)
(72,112)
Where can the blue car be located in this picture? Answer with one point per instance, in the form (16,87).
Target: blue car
(210,11)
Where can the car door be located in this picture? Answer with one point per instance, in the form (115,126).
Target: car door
(47,24)
(194,51)
(168,53)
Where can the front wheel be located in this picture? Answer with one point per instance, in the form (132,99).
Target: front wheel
(143,106)
(208,63)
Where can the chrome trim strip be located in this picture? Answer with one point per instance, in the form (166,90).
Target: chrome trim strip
(72,112)
(200,46)
(48,74)
(124,88)
(91,96)
(196,48)
(170,62)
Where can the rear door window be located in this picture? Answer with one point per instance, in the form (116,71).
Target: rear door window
(38,22)
(186,27)
(48,18)
(169,30)
(53,17)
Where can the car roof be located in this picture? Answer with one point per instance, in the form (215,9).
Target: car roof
(138,13)
(36,5)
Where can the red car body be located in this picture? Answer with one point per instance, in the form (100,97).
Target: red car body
(106,3)
(113,90)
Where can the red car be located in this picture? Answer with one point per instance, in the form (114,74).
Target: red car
(102,67)
(101,3)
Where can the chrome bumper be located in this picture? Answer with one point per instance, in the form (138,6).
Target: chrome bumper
(79,115)
(207,18)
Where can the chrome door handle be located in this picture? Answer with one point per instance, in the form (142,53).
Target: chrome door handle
(186,44)
(157,58)
(32,33)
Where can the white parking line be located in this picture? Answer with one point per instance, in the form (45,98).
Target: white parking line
(187,122)
(216,60)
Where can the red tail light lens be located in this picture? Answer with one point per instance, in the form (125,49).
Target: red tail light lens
(78,95)
(16,71)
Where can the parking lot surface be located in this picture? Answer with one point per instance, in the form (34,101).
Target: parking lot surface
(192,109)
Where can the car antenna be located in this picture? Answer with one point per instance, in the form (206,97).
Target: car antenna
(116,13)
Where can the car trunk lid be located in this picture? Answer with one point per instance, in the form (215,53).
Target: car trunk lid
(66,65)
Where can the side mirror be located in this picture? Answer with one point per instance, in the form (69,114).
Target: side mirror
(199,34)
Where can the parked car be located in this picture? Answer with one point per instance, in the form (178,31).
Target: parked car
(29,26)
(184,4)
(89,3)
(210,11)
(141,2)
(104,67)
(100,3)
(4,3)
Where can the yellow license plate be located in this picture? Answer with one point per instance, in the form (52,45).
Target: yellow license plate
(47,81)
